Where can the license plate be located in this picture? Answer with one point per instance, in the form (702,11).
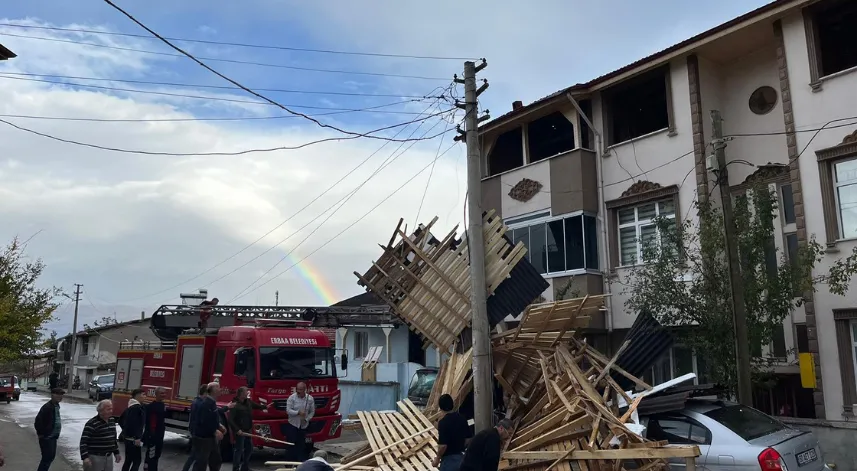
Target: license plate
(806,457)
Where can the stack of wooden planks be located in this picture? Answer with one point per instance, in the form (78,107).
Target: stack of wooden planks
(427,281)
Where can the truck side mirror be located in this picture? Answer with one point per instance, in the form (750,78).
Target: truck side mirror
(344,364)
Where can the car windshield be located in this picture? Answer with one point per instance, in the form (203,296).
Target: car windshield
(422,383)
(746,422)
(296,362)
(5,381)
(105,379)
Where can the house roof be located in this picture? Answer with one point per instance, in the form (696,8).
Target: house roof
(648,60)
(85,332)
(363,299)
(5,53)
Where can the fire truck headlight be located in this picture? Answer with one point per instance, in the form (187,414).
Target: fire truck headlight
(334,426)
(262,430)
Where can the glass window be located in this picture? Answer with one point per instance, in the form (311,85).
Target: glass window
(295,362)
(788,204)
(590,240)
(792,248)
(538,247)
(677,430)
(746,422)
(560,244)
(574,243)
(637,230)
(219,358)
(683,360)
(555,246)
(105,379)
(801,338)
(361,344)
(845,180)
(778,342)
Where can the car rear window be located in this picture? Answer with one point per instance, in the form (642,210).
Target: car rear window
(747,423)
(105,379)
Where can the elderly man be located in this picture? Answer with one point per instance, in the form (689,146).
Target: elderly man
(301,408)
(483,452)
(318,462)
(99,447)
(48,426)
(207,431)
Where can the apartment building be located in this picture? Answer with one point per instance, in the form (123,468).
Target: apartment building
(579,175)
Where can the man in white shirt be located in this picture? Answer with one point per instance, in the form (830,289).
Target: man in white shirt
(301,408)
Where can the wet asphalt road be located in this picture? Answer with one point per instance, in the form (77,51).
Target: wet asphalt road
(21,414)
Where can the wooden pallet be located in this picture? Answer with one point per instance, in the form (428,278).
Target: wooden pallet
(455,379)
(427,281)
(414,451)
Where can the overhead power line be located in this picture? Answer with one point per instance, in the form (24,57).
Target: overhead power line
(232,81)
(235,44)
(216,87)
(372,109)
(212,154)
(335,207)
(285,221)
(230,61)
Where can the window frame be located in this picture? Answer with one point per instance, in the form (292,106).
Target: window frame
(827,160)
(654,194)
(607,97)
(638,224)
(358,355)
(686,420)
(844,320)
(545,217)
(813,48)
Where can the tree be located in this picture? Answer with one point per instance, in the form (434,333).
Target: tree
(24,308)
(684,281)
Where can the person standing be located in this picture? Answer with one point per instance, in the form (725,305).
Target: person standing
(133,423)
(194,408)
(99,448)
(301,408)
(452,435)
(205,312)
(207,432)
(153,438)
(241,425)
(483,453)
(48,426)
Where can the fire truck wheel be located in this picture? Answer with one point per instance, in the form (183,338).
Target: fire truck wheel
(226,450)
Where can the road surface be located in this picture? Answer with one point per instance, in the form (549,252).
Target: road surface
(19,416)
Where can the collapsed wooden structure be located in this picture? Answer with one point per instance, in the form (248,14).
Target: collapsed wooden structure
(561,394)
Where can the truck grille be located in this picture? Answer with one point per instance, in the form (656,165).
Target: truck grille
(320,402)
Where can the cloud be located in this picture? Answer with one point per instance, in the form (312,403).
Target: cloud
(206,30)
(132,227)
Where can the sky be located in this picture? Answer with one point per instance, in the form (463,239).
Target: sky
(137,230)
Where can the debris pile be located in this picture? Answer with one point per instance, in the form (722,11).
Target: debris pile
(562,395)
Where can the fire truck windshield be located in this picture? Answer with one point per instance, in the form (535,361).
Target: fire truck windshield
(296,362)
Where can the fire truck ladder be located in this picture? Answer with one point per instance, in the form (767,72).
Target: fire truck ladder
(169,321)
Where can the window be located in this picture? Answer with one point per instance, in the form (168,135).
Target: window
(763,100)
(844,322)
(549,136)
(84,346)
(638,107)
(746,422)
(677,430)
(831,28)
(560,244)
(637,229)
(787,204)
(845,184)
(801,338)
(778,342)
(837,169)
(361,345)
(219,359)
(295,362)
(507,153)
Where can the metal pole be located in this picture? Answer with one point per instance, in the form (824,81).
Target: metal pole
(74,326)
(482,377)
(739,312)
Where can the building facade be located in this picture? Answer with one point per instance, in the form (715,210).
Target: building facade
(579,175)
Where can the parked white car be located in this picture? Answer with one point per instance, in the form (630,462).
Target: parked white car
(732,437)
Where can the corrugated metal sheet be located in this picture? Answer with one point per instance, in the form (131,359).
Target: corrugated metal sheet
(649,340)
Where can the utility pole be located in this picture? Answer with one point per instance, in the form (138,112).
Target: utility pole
(76,299)
(739,308)
(277,298)
(482,374)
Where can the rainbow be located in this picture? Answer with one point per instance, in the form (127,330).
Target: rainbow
(314,280)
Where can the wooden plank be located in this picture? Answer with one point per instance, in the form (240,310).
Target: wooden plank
(618,454)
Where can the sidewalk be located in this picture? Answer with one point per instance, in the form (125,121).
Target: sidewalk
(21,449)
(70,395)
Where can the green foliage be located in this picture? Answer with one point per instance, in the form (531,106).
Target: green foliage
(24,308)
(685,281)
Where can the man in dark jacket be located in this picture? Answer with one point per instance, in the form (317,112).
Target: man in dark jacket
(318,462)
(483,453)
(241,424)
(194,408)
(133,423)
(153,438)
(48,426)
(207,431)
(452,435)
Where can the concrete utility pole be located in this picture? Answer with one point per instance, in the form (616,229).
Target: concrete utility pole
(77,293)
(739,309)
(482,374)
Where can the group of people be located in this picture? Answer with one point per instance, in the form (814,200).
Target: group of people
(459,450)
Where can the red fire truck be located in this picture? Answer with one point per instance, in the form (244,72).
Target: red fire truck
(267,349)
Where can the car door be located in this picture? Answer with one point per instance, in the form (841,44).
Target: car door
(678,429)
